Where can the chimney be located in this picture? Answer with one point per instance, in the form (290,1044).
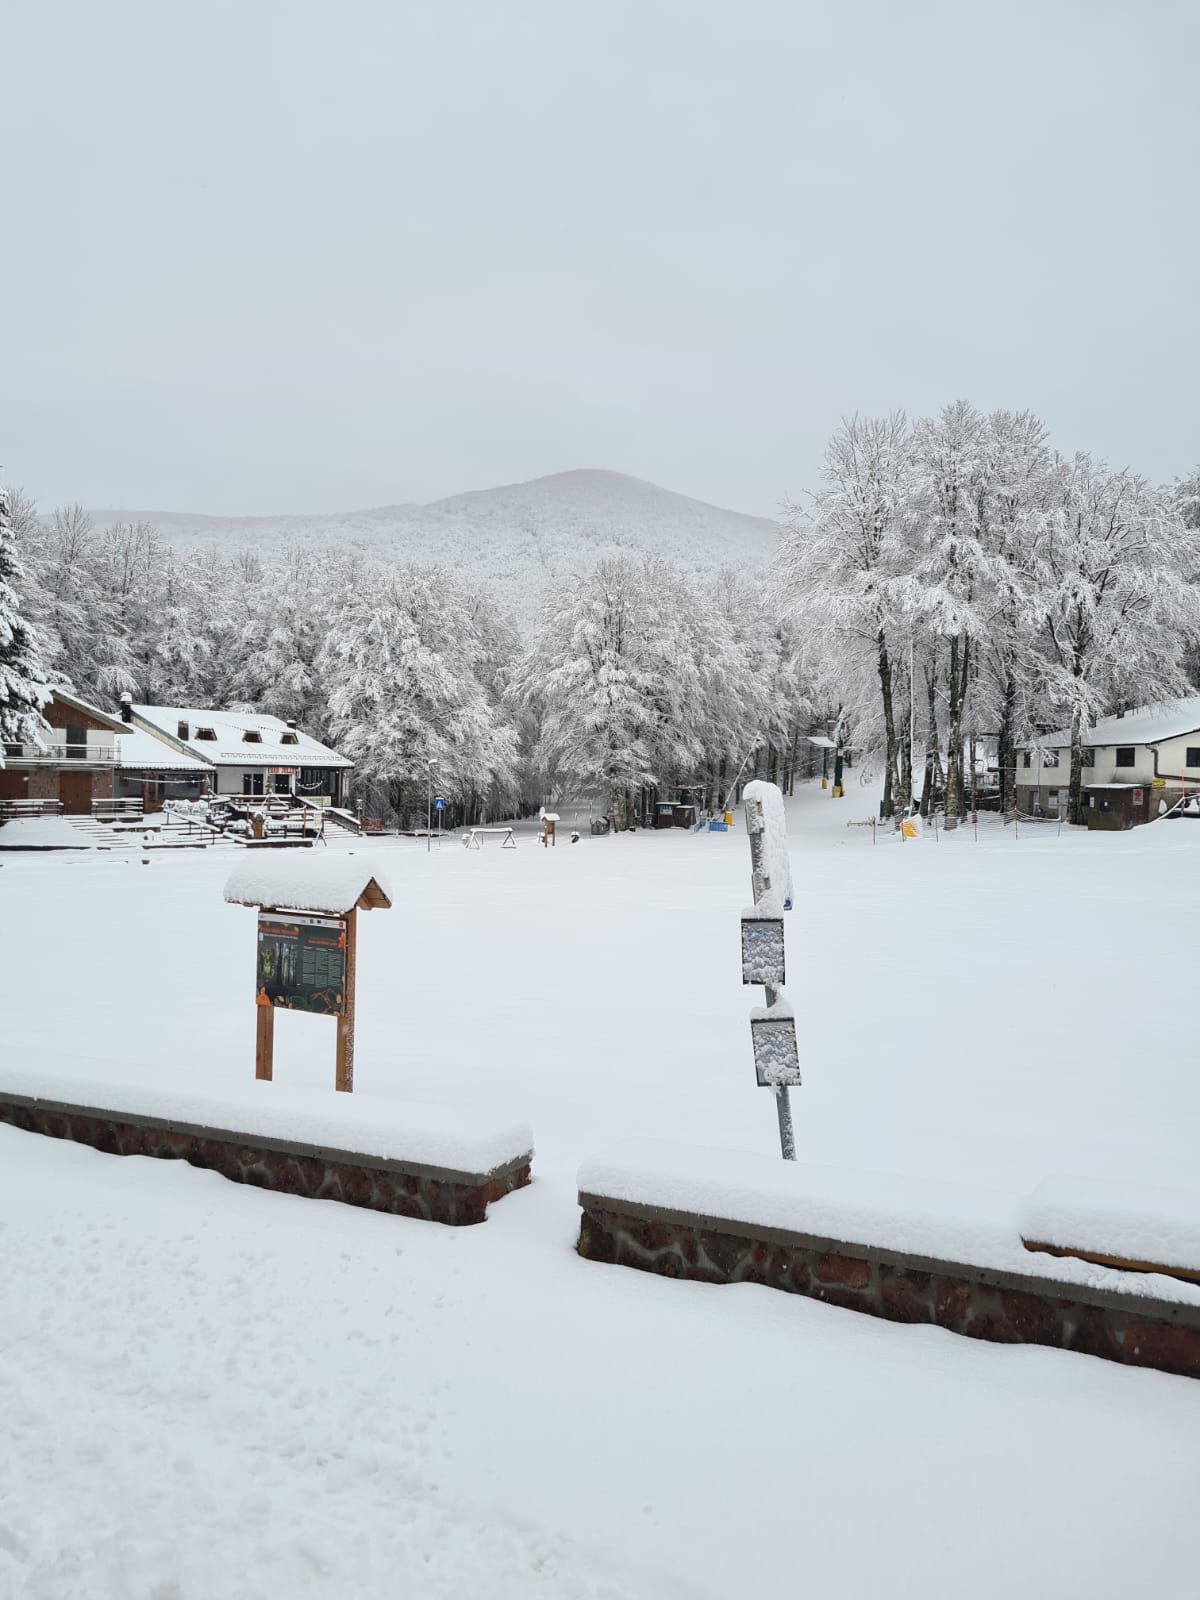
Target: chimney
(292,723)
(126,708)
(183,731)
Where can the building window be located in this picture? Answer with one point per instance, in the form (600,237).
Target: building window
(252,736)
(206,733)
(1193,756)
(1027,759)
(1087,758)
(14,750)
(1126,756)
(288,738)
(1049,758)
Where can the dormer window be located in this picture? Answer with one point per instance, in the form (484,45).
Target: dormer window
(288,738)
(206,733)
(252,736)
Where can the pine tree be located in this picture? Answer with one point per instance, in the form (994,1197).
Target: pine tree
(23,687)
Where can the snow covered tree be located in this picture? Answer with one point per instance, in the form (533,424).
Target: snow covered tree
(23,686)
(591,674)
(403,662)
(1115,571)
(839,575)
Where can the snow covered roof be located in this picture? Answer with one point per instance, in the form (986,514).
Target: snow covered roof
(300,881)
(142,751)
(271,743)
(1147,725)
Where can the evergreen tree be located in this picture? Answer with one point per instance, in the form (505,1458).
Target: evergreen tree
(23,687)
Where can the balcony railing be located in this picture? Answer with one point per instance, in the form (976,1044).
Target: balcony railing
(105,755)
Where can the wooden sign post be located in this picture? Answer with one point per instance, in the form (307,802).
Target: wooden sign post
(307,958)
(344,1066)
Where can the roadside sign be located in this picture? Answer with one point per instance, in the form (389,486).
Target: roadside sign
(439,803)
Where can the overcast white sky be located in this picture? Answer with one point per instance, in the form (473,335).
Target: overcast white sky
(314,256)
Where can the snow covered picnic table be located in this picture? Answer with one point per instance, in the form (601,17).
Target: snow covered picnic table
(472,837)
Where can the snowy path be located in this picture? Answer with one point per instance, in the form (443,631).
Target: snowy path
(210,1392)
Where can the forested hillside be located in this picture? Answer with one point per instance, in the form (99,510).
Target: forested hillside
(513,540)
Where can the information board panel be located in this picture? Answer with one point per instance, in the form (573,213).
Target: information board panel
(302,963)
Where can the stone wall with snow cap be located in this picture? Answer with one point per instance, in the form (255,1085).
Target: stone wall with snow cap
(901,1248)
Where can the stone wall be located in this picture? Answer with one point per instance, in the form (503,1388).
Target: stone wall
(401,1188)
(1004,1307)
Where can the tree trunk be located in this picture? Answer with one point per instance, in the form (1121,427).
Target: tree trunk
(954,787)
(973,787)
(1006,755)
(933,756)
(891,777)
(1075,793)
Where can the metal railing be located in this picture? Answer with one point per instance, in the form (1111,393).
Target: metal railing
(96,754)
(11,809)
(106,808)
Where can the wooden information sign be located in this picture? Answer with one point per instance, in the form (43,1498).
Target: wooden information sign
(306,958)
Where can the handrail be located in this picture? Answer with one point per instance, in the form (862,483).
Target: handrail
(106,754)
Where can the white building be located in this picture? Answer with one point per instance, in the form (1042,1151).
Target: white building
(1155,749)
(234,753)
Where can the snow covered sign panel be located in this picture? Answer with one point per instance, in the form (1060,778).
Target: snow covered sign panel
(307,941)
(762,944)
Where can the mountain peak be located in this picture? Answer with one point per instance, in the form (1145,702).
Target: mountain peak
(512,540)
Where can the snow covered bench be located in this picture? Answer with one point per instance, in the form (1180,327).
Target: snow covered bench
(432,1162)
(1136,1227)
(906,1249)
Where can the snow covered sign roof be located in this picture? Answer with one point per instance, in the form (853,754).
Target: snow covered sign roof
(236,738)
(301,882)
(1146,725)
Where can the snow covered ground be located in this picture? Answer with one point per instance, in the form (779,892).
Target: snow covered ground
(211,1392)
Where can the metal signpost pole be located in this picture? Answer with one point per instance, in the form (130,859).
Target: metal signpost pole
(755,826)
(783,1108)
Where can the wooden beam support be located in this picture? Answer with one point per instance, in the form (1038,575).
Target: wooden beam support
(344,1073)
(264,1049)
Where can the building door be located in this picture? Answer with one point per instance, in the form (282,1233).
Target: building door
(75,792)
(76,743)
(252,783)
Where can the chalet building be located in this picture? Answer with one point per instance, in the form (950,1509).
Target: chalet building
(75,765)
(1134,764)
(236,752)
